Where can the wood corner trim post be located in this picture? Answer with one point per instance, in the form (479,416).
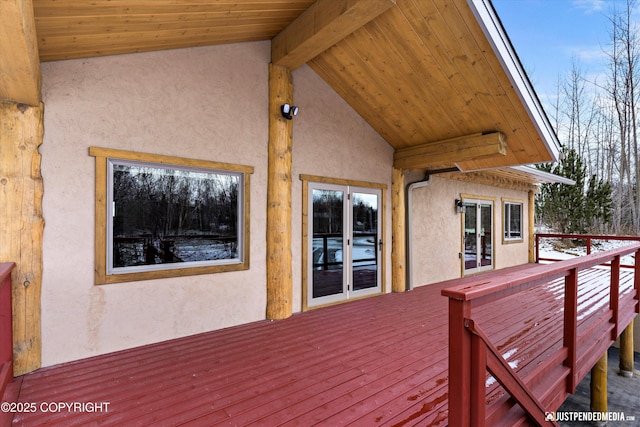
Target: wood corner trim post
(279,188)
(532,226)
(22,225)
(398,232)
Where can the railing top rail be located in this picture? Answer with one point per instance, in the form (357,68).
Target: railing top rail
(587,236)
(5,270)
(502,285)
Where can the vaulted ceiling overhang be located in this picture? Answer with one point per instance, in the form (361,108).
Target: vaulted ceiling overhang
(438,79)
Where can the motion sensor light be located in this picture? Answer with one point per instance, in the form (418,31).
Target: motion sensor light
(288,111)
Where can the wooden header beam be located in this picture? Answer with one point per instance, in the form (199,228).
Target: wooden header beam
(470,147)
(325,23)
(19,60)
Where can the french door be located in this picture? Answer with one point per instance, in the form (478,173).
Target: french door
(478,235)
(345,243)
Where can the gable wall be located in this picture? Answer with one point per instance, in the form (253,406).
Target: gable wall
(208,103)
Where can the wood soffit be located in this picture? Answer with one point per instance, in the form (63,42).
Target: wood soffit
(420,72)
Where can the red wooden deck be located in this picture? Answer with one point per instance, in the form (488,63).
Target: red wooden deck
(376,361)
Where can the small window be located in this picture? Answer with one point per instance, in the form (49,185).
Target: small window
(512,221)
(167,217)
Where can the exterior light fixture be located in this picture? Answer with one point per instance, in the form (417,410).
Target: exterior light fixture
(459,206)
(288,111)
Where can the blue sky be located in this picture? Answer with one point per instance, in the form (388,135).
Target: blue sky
(549,35)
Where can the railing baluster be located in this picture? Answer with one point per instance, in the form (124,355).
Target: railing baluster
(571,326)
(478,381)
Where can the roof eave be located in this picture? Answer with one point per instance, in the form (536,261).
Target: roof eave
(543,177)
(506,54)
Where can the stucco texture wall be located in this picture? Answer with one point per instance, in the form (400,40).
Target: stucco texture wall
(207,103)
(330,141)
(437,229)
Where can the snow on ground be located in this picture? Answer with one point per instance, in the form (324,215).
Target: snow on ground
(559,249)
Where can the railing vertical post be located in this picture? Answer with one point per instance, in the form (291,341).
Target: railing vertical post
(636,279)
(6,327)
(478,381)
(571,326)
(614,295)
(459,364)
(588,245)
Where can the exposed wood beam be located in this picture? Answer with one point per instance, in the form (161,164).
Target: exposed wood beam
(450,151)
(321,26)
(279,185)
(19,61)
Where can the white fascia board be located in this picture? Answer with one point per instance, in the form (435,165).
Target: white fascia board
(543,176)
(497,36)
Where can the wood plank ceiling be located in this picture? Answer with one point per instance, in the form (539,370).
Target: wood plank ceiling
(422,72)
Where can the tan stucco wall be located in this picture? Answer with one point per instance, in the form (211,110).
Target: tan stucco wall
(437,229)
(333,145)
(208,103)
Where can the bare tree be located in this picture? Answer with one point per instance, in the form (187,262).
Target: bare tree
(622,91)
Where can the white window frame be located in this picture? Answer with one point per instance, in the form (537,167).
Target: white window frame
(507,230)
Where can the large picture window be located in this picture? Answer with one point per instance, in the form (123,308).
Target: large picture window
(512,221)
(168,217)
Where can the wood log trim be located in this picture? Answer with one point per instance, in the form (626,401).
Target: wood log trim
(469,147)
(100,258)
(341,181)
(279,188)
(306,179)
(324,24)
(486,178)
(19,62)
(398,232)
(22,225)
(531,229)
(167,160)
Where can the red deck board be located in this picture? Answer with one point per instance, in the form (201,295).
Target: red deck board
(376,361)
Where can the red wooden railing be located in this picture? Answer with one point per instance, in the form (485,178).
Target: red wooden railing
(587,238)
(472,354)
(6,327)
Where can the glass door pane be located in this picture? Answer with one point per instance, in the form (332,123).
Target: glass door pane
(328,225)
(470,236)
(365,240)
(486,235)
(478,235)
